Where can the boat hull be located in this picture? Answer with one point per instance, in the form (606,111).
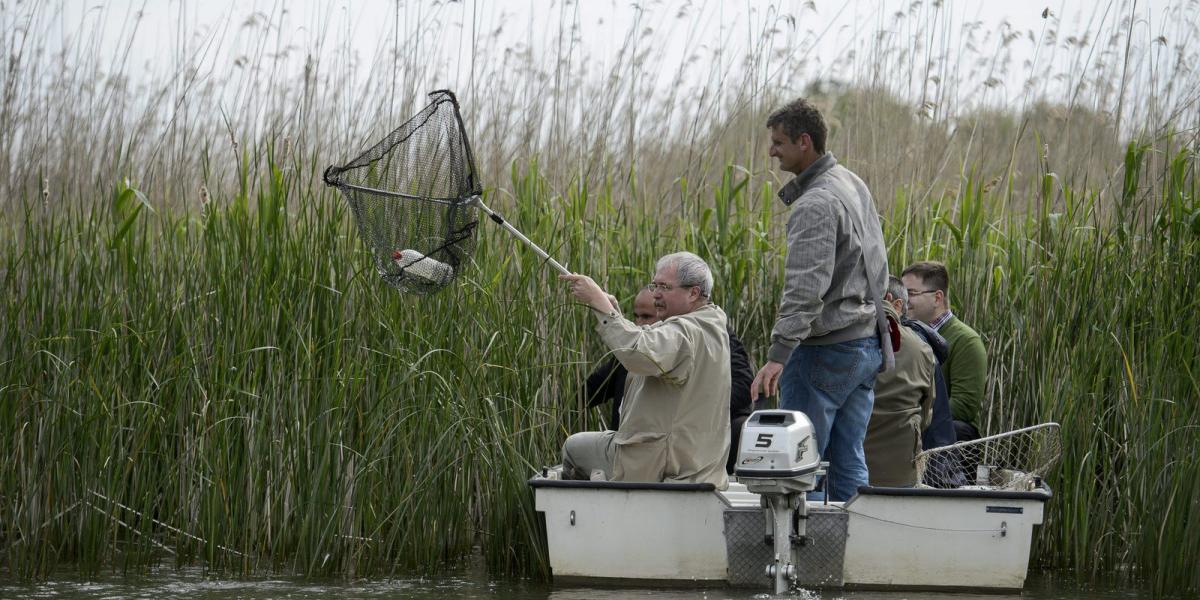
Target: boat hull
(881,538)
(634,531)
(970,539)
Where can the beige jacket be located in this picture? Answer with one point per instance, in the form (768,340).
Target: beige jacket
(903,408)
(675,417)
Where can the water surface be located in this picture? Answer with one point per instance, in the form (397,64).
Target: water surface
(195,585)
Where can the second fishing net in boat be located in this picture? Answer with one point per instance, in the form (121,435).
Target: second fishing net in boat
(415,198)
(1014,460)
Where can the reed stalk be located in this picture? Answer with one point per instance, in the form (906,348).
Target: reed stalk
(198,364)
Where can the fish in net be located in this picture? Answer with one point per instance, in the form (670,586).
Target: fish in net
(416,197)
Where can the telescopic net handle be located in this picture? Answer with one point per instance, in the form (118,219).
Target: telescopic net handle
(520,236)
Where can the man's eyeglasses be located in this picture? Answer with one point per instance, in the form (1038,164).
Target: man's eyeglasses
(912,293)
(655,286)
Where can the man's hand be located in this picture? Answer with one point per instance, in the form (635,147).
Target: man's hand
(768,378)
(586,290)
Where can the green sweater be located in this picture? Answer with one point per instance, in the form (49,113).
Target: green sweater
(965,370)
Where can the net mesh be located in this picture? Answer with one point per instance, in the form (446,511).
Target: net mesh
(413,198)
(1015,460)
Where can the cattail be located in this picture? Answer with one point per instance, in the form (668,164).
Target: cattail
(282,159)
(204,200)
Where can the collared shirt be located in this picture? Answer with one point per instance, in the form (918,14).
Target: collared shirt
(938,322)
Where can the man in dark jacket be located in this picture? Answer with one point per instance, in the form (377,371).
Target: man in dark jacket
(941,429)
(607,382)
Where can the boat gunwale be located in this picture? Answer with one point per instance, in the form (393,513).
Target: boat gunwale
(1041,494)
(541,482)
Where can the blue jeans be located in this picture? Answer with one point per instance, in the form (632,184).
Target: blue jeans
(834,385)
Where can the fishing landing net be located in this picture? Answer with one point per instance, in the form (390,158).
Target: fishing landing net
(416,197)
(1015,460)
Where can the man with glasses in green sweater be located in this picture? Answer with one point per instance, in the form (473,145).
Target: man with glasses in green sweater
(927,283)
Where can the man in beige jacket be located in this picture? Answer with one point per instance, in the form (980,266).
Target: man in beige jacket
(675,417)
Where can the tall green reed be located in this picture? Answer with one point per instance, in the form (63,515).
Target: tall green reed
(1088,314)
(230,385)
(237,388)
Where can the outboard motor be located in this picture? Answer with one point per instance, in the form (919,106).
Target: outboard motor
(778,460)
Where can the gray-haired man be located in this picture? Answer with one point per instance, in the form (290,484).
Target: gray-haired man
(675,416)
(904,403)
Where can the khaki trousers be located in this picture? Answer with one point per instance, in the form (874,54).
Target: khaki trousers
(587,452)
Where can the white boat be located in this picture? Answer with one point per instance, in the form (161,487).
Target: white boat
(975,537)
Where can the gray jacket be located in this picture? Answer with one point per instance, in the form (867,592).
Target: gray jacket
(834,241)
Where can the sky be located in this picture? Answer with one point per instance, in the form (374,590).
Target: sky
(713,34)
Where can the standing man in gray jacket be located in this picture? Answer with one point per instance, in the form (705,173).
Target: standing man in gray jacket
(826,346)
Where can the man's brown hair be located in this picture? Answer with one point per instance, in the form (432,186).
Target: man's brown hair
(932,274)
(800,116)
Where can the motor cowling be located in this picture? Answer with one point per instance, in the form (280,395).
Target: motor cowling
(778,460)
(778,453)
